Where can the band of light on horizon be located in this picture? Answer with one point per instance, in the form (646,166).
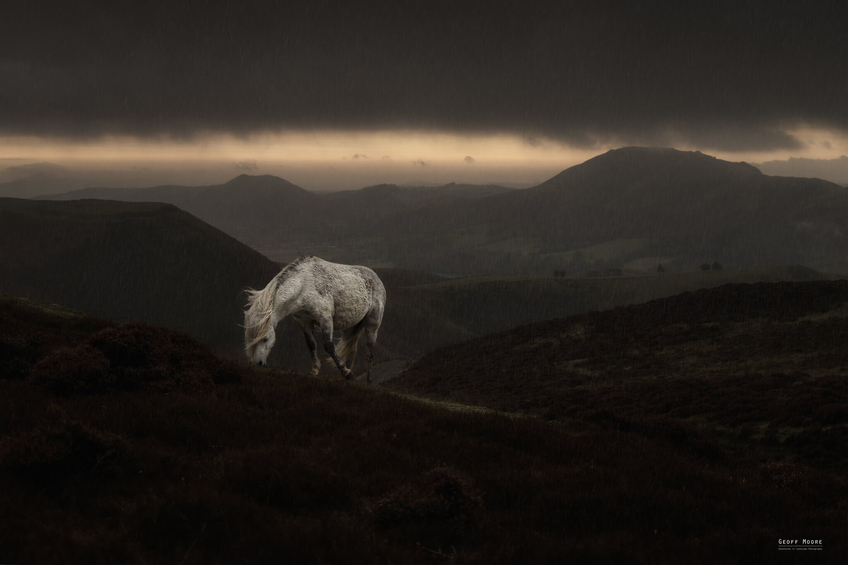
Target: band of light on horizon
(305,147)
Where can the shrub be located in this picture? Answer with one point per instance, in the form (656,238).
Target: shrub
(59,448)
(442,506)
(73,370)
(133,357)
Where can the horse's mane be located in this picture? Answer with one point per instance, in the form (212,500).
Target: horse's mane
(260,303)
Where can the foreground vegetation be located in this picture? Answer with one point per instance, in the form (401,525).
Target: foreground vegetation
(137,444)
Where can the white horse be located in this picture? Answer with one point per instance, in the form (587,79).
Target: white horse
(317,293)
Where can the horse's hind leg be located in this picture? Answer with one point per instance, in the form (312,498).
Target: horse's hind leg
(347,346)
(327,331)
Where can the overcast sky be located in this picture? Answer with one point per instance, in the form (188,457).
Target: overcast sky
(403,81)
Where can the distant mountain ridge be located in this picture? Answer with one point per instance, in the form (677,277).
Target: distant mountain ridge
(263,210)
(661,205)
(630,209)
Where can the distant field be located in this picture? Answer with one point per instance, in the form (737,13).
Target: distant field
(603,251)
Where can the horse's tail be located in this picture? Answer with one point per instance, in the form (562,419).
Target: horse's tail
(347,346)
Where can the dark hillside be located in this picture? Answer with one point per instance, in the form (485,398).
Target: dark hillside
(130,261)
(762,369)
(431,315)
(165,458)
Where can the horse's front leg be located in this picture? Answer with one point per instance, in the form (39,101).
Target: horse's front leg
(327,332)
(313,351)
(307,327)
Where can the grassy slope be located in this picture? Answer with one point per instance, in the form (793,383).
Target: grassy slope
(761,369)
(267,465)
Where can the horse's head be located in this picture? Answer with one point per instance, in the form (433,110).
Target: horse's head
(258,352)
(259,337)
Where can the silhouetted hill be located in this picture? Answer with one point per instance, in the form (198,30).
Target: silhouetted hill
(691,206)
(168,194)
(136,443)
(130,261)
(250,206)
(633,206)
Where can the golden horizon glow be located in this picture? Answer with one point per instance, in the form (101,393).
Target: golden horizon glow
(385,148)
(300,147)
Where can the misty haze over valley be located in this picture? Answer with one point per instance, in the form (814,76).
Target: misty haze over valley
(613,242)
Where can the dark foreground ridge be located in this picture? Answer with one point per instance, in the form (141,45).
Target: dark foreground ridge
(170,454)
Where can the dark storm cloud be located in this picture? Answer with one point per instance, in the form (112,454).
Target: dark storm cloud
(835,170)
(722,73)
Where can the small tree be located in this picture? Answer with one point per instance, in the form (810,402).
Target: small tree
(660,268)
(716,266)
(705,267)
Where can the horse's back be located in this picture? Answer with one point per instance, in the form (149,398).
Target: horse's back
(355,291)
